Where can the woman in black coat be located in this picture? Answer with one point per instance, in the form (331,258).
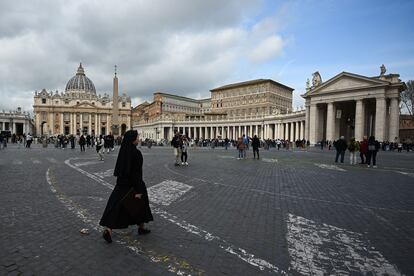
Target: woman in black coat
(128,170)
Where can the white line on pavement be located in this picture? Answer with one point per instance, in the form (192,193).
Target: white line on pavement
(406,173)
(269,160)
(79,164)
(330,167)
(17,162)
(51,160)
(227,247)
(107,173)
(167,192)
(313,247)
(36,161)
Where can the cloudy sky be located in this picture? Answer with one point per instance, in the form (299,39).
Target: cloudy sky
(189,47)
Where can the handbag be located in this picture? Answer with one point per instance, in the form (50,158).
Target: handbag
(133,205)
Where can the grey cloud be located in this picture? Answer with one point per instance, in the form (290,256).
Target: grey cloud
(182,47)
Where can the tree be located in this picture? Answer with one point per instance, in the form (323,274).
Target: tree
(407,97)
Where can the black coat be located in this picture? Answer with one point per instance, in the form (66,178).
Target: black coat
(256,143)
(341,145)
(115,216)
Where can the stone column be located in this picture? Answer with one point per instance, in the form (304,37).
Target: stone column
(99,125)
(330,122)
(50,124)
(394,125)
(108,124)
(307,122)
(313,124)
(359,120)
(96,124)
(302,130)
(287,131)
(234,132)
(90,124)
(61,123)
(297,125)
(380,114)
(292,131)
(81,123)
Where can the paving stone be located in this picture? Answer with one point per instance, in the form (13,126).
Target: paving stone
(244,203)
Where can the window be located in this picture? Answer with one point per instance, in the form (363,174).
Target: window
(43,101)
(123,104)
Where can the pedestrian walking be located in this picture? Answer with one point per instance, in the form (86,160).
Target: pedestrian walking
(340,147)
(2,138)
(19,141)
(128,170)
(353,149)
(184,148)
(255,145)
(82,142)
(72,141)
(99,147)
(29,139)
(241,148)
(373,147)
(175,142)
(363,150)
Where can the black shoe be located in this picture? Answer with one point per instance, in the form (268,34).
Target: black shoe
(107,236)
(143,231)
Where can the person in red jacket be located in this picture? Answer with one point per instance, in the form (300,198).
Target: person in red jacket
(363,150)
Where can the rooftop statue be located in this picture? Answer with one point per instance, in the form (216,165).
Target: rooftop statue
(383,70)
(316,79)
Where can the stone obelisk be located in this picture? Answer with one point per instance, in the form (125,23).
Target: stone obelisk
(115,107)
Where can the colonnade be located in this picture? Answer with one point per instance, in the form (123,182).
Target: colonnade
(292,131)
(382,120)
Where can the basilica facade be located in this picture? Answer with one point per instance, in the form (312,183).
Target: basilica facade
(80,110)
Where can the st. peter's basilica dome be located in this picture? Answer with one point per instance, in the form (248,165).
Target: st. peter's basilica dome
(80,83)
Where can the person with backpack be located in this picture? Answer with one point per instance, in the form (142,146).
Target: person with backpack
(353,148)
(373,147)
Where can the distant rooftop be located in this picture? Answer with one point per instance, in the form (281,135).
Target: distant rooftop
(251,82)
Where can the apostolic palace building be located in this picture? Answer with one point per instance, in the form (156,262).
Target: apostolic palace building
(347,105)
(79,110)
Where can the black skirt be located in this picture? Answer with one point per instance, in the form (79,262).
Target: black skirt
(116,217)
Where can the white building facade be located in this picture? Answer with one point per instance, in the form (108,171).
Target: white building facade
(17,122)
(348,105)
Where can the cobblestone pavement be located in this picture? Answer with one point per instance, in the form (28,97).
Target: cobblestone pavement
(289,213)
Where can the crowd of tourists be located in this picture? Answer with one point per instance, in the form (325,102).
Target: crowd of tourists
(25,139)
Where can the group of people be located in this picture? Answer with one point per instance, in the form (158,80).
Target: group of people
(25,139)
(180,145)
(367,149)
